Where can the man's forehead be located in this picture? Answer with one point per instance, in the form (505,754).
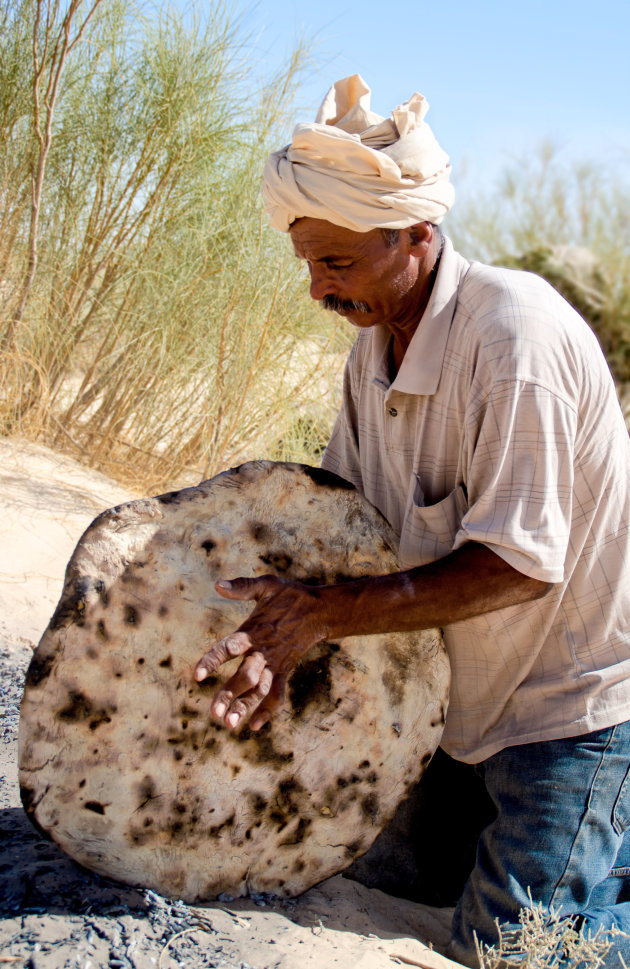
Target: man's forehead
(317,239)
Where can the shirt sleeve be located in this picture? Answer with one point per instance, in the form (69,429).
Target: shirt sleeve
(518,455)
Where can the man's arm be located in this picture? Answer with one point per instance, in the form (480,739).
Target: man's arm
(290,618)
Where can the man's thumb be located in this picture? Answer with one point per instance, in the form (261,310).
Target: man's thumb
(240,588)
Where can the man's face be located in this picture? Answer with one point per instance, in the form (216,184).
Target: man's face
(359,267)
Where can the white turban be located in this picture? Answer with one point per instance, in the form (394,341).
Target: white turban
(358,170)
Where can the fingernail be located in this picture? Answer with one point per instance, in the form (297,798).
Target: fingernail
(220,709)
(233,719)
(200,675)
(223,583)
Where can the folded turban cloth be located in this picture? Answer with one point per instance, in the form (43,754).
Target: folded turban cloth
(358,170)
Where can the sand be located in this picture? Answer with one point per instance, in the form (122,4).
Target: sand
(55,914)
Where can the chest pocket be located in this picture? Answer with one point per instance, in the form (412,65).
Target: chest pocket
(429,531)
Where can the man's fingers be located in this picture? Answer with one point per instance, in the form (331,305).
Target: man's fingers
(246,679)
(227,648)
(273,702)
(241,709)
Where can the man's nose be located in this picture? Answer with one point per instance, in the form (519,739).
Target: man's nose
(321,282)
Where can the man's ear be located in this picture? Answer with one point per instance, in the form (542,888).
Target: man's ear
(421,235)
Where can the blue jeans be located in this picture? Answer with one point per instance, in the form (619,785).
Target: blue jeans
(561,831)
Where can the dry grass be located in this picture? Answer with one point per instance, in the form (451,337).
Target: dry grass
(151,322)
(545,940)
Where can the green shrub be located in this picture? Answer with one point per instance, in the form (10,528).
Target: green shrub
(567,223)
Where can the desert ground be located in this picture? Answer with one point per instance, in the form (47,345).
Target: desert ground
(55,914)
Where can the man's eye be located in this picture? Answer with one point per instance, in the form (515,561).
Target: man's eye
(339,265)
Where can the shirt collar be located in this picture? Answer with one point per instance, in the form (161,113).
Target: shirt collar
(421,368)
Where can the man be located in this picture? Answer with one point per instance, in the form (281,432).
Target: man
(480,417)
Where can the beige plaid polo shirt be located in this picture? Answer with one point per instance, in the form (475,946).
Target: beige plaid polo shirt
(503,427)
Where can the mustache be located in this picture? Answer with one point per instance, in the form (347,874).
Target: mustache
(338,305)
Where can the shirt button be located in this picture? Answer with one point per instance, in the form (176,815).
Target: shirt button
(393,412)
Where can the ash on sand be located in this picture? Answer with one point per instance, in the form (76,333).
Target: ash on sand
(55,914)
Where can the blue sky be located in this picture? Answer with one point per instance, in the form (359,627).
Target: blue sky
(500,77)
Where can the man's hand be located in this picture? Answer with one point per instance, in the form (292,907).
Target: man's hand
(286,622)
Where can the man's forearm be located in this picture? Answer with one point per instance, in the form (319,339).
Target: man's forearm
(471,581)
(290,618)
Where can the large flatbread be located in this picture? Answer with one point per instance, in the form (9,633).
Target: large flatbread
(119,761)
